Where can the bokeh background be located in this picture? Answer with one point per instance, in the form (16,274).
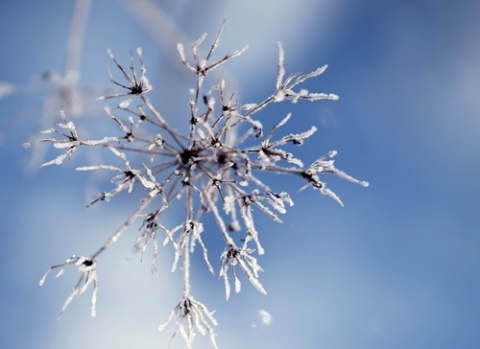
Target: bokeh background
(397,267)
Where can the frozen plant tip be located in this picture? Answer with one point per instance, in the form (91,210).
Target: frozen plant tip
(216,167)
(191,316)
(87,268)
(136,86)
(234,256)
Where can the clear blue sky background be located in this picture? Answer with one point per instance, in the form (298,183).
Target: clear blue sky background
(397,267)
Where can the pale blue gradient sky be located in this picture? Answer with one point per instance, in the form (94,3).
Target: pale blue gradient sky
(397,267)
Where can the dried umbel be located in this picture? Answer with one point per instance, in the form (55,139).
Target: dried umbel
(212,169)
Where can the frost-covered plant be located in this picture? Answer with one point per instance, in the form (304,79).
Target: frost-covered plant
(214,168)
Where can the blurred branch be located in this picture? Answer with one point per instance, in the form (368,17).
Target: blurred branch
(161,28)
(76,34)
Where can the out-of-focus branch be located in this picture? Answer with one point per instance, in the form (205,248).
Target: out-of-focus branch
(73,51)
(162,29)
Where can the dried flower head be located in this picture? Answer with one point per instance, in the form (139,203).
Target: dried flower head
(215,168)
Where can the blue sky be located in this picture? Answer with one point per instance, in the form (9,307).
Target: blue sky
(397,267)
